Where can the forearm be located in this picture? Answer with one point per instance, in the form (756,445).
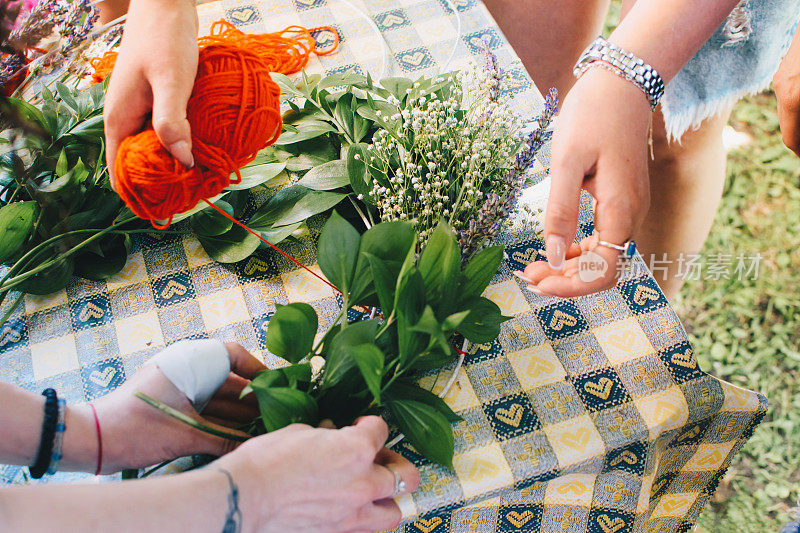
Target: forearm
(199,501)
(667,33)
(22,413)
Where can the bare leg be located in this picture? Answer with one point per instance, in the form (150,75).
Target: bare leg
(549,36)
(686,182)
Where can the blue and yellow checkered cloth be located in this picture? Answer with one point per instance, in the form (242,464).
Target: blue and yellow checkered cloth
(586,415)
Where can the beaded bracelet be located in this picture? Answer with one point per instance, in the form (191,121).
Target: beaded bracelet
(43,456)
(607,55)
(58,440)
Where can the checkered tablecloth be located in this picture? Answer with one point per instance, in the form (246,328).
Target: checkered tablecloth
(588,414)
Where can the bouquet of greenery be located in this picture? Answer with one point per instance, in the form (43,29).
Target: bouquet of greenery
(370,363)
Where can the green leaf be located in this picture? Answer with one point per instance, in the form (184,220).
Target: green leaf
(16,224)
(357,169)
(480,271)
(308,130)
(210,223)
(282,406)
(369,360)
(337,252)
(51,279)
(311,204)
(62,165)
(255,175)
(384,283)
(291,331)
(232,246)
(285,84)
(327,176)
(67,97)
(440,266)
(308,155)
(411,391)
(340,358)
(341,79)
(482,324)
(278,205)
(397,86)
(453,321)
(111,259)
(91,129)
(426,429)
(276,235)
(388,241)
(428,323)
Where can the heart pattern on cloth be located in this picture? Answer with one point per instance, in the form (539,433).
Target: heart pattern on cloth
(519,519)
(574,486)
(243,14)
(525,257)
(481,469)
(602,388)
(685,359)
(673,504)
(9,336)
(623,341)
(392,20)
(415,59)
(90,311)
(102,379)
(173,288)
(254,264)
(511,416)
(576,440)
(307,2)
(692,433)
(426,526)
(625,457)
(658,486)
(561,319)
(610,525)
(643,293)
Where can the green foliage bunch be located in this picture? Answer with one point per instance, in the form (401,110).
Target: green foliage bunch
(370,364)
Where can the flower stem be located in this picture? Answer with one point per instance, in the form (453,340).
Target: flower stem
(186,419)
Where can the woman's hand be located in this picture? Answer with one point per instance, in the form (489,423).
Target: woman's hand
(599,144)
(154,73)
(136,435)
(786,83)
(304,479)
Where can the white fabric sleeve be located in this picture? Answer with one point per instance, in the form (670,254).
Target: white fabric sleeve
(197,368)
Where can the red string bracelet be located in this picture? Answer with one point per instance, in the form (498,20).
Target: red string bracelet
(99,441)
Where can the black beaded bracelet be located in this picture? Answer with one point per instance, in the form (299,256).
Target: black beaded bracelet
(39,467)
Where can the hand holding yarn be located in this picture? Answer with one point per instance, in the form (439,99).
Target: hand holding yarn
(233,112)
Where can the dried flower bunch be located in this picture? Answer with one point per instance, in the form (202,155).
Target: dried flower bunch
(445,153)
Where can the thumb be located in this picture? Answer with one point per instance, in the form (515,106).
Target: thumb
(170,99)
(561,216)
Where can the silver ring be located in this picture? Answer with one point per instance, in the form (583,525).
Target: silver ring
(628,248)
(399,484)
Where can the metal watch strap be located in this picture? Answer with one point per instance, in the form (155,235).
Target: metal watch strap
(607,55)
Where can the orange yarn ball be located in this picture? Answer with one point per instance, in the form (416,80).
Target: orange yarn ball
(233,112)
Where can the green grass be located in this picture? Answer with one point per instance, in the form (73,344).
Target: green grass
(748,331)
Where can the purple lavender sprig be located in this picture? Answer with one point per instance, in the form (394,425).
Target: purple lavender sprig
(492,66)
(495,210)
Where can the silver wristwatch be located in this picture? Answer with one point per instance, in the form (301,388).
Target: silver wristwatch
(604,54)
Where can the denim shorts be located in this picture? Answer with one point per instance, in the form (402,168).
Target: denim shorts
(740,58)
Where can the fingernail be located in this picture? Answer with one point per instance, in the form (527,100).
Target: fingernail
(181,151)
(556,250)
(534,290)
(521,276)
